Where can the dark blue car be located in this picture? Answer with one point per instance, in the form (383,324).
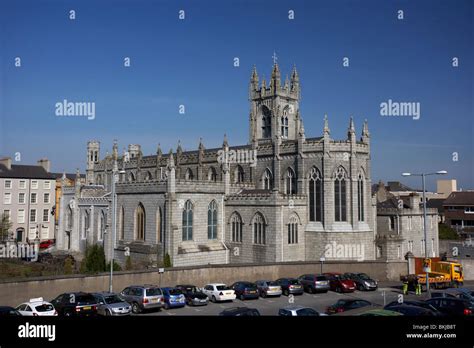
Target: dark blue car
(173,298)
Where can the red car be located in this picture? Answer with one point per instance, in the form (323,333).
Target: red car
(45,244)
(340,283)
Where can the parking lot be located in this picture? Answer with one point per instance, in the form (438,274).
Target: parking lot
(319,302)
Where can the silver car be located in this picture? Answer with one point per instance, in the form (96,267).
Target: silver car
(143,297)
(111,304)
(299,311)
(268,288)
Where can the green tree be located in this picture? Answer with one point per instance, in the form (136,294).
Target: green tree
(5,225)
(446,232)
(94,262)
(68,266)
(167,261)
(117,267)
(128,263)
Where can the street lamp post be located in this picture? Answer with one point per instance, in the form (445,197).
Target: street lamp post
(115,174)
(423,175)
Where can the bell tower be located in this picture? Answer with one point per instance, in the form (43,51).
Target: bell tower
(274,108)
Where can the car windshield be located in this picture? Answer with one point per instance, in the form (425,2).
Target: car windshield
(321,278)
(112,299)
(363,276)
(45,307)
(85,299)
(175,292)
(293,281)
(191,289)
(343,277)
(222,287)
(153,292)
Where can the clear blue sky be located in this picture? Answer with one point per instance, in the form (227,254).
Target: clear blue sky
(190,62)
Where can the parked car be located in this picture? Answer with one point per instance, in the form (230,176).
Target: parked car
(6,311)
(240,312)
(45,244)
(362,281)
(461,293)
(290,286)
(299,311)
(174,298)
(412,311)
(346,305)
(193,296)
(75,304)
(36,307)
(111,304)
(340,283)
(143,297)
(451,306)
(219,292)
(268,288)
(314,283)
(245,290)
(414,303)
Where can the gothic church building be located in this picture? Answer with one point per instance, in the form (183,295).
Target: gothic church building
(294,198)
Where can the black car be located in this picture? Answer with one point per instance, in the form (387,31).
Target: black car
(75,304)
(412,311)
(290,286)
(346,305)
(363,281)
(193,296)
(245,290)
(421,304)
(451,306)
(240,312)
(6,311)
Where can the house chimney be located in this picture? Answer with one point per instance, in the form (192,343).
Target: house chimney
(7,162)
(415,201)
(45,163)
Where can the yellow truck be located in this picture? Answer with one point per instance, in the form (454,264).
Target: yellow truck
(442,274)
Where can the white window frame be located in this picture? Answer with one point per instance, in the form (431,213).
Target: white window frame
(7,198)
(24,198)
(20,218)
(46,194)
(47,185)
(33,194)
(34,184)
(47,215)
(31,215)
(8,186)
(22,184)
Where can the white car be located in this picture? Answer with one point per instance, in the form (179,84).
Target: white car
(36,307)
(219,292)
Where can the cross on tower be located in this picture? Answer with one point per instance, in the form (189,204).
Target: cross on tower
(275,58)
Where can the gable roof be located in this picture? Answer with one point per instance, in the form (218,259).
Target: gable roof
(460,198)
(24,172)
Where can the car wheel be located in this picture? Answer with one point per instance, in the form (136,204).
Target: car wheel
(166,306)
(242,298)
(312,290)
(67,313)
(338,289)
(213,299)
(136,308)
(264,294)
(360,287)
(108,313)
(286,293)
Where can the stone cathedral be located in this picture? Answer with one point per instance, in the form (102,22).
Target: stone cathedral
(281,197)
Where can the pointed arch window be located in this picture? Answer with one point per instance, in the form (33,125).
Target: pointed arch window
(284,126)
(236,227)
(212,220)
(70,220)
(267,180)
(239,174)
(212,174)
(131,177)
(290,182)
(121,225)
(102,226)
(266,123)
(189,174)
(187,221)
(315,196)
(293,230)
(259,233)
(148,176)
(159,236)
(140,222)
(360,197)
(340,195)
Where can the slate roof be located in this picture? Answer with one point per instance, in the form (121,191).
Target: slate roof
(25,172)
(460,198)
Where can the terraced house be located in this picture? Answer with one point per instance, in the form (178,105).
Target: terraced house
(296,196)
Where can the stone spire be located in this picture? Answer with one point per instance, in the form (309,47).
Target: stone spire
(326,130)
(365,132)
(201,149)
(351,130)
(301,132)
(170,159)
(225,143)
(254,79)
(115,150)
(275,81)
(295,81)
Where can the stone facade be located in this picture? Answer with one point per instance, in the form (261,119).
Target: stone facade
(281,197)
